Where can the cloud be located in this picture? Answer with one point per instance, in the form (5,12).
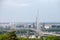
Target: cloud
(14,3)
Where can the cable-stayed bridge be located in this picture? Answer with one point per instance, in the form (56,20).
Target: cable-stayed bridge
(38,31)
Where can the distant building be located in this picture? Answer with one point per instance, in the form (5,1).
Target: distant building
(51,27)
(44,27)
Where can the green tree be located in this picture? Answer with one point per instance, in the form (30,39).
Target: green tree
(12,35)
(52,38)
(3,36)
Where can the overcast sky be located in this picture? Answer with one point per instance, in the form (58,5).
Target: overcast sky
(26,10)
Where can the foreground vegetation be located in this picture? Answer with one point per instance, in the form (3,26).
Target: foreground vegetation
(12,36)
